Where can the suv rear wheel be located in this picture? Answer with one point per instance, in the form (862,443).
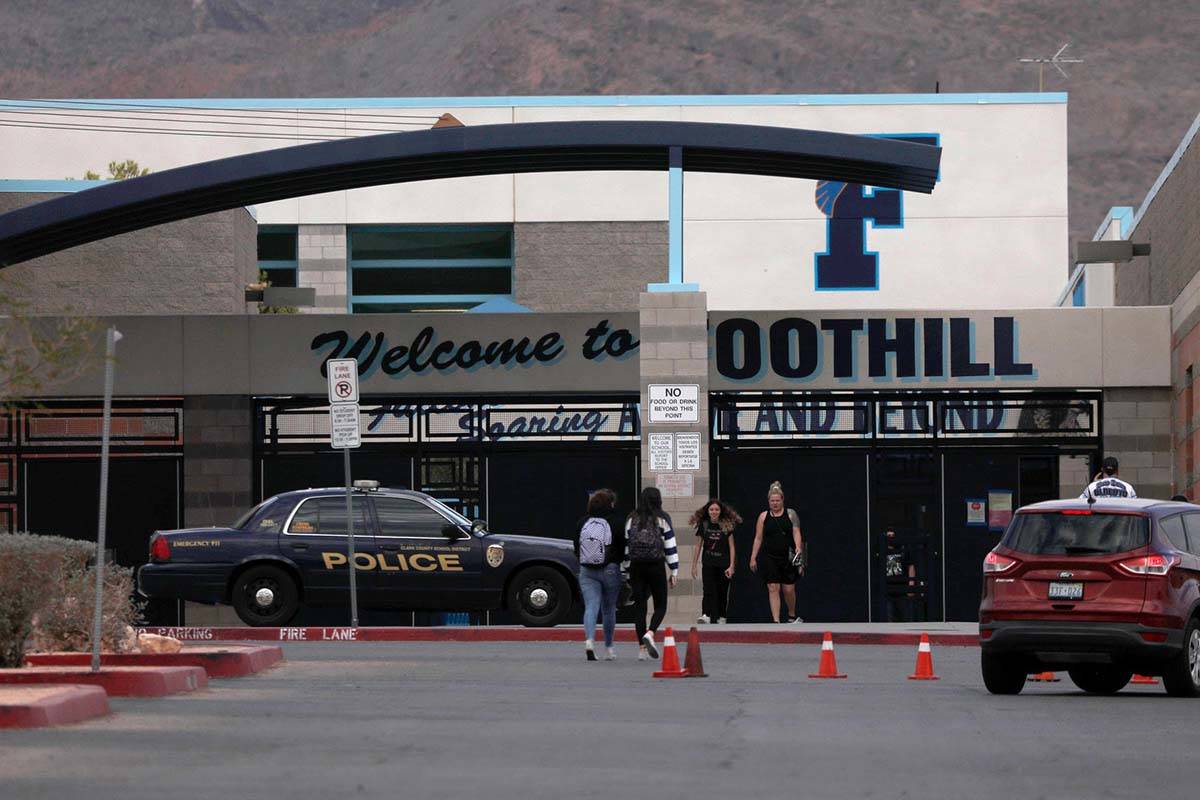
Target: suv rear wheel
(1100,680)
(1181,677)
(1002,675)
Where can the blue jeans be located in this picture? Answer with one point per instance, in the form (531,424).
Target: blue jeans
(600,587)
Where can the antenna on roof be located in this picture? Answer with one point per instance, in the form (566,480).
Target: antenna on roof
(1091,498)
(1054,61)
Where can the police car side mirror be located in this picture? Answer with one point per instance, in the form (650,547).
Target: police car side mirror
(479,526)
(453,532)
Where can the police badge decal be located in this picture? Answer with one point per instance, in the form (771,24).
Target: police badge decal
(495,555)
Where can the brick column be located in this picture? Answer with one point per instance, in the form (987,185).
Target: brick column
(1137,431)
(218,481)
(322,266)
(674,351)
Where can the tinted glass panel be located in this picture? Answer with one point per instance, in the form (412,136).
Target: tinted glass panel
(283,278)
(404,308)
(276,245)
(1077,534)
(400,517)
(1192,523)
(1172,527)
(430,245)
(451,280)
(327,515)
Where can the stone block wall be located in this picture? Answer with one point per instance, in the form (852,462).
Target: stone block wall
(322,260)
(218,478)
(674,350)
(1137,432)
(194,266)
(587,266)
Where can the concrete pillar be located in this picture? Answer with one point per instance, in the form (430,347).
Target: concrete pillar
(218,482)
(674,352)
(322,260)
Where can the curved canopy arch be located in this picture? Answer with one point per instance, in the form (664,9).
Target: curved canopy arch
(452,152)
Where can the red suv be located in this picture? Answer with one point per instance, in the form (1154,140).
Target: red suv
(1102,589)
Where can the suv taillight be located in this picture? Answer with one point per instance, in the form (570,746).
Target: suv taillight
(994,562)
(1153,564)
(160,549)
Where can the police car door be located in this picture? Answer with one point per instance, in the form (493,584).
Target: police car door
(426,560)
(316,541)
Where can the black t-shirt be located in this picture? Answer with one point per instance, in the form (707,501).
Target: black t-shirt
(715,542)
(898,560)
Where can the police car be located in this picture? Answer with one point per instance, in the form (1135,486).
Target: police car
(410,552)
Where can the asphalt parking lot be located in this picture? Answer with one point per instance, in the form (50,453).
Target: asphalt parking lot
(454,720)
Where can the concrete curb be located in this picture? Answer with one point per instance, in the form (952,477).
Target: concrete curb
(117,681)
(58,705)
(709,635)
(218,661)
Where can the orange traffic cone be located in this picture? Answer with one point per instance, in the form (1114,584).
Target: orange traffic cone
(692,664)
(1043,677)
(1144,680)
(670,659)
(924,669)
(828,667)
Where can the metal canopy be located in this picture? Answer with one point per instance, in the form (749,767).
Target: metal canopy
(454,152)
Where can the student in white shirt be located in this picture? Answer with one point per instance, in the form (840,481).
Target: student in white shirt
(1107,484)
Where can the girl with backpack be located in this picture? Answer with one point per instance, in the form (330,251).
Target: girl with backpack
(714,524)
(599,545)
(649,543)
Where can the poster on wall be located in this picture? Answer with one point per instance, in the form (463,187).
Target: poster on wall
(1000,509)
(661,451)
(976,512)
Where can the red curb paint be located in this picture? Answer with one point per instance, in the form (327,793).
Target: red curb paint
(218,661)
(505,634)
(69,704)
(117,681)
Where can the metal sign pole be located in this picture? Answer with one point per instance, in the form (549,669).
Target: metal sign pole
(350,531)
(110,358)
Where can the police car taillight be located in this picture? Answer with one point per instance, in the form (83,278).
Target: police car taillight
(160,548)
(994,562)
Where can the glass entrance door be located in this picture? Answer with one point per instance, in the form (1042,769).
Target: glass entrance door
(906,536)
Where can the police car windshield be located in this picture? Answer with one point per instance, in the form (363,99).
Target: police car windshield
(450,512)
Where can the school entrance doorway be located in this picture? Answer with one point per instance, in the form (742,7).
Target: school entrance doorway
(942,473)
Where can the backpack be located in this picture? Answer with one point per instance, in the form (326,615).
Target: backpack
(595,537)
(645,542)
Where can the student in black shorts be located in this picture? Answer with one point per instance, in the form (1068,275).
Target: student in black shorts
(777,536)
(714,523)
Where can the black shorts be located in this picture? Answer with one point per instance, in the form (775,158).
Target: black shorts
(777,569)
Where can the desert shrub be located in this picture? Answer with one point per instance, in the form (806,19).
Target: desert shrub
(31,567)
(64,621)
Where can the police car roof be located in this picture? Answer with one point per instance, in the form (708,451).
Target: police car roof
(1143,504)
(315,492)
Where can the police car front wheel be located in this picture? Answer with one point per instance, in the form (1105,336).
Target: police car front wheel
(265,596)
(540,597)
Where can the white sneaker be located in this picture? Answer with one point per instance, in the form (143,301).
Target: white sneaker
(797,619)
(590,649)
(642,654)
(610,654)
(720,620)
(703,619)
(648,641)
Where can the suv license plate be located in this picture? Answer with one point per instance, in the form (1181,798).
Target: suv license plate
(1066,591)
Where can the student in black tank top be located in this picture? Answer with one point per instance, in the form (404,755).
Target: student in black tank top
(776,535)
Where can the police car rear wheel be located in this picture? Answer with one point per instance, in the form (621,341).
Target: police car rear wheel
(265,596)
(540,597)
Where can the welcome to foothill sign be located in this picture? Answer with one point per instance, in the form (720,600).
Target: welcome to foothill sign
(897,350)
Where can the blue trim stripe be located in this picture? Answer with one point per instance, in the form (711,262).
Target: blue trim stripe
(543,101)
(10,185)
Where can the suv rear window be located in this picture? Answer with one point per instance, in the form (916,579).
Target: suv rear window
(1077,534)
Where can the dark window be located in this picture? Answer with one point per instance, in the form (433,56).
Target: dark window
(1081,534)
(1192,523)
(277,243)
(430,245)
(405,308)
(416,280)
(1172,527)
(327,516)
(281,278)
(401,517)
